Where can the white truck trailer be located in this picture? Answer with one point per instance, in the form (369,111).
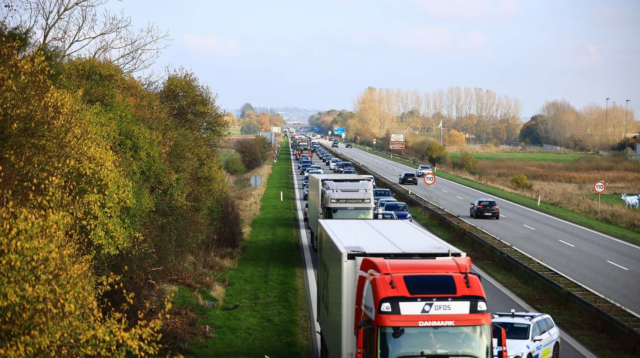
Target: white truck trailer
(338,196)
(389,288)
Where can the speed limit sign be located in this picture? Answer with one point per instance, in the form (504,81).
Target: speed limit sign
(599,187)
(429,179)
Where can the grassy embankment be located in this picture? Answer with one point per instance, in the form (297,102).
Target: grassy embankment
(264,309)
(524,157)
(562,213)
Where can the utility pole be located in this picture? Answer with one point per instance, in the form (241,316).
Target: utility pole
(626,123)
(606,116)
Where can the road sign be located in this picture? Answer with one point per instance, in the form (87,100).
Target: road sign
(343,136)
(600,187)
(374,141)
(429,179)
(339,131)
(397,141)
(256,181)
(329,132)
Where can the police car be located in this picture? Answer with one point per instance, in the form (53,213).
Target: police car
(529,335)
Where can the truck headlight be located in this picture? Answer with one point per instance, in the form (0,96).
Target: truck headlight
(367,201)
(482,306)
(386,307)
(333,201)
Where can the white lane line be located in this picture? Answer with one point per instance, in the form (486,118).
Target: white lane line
(445,191)
(566,243)
(502,216)
(615,264)
(459,197)
(529,227)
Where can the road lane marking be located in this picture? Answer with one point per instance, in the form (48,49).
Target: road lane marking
(502,216)
(529,227)
(459,198)
(445,191)
(566,243)
(615,264)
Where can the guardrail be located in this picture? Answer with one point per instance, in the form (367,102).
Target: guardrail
(623,318)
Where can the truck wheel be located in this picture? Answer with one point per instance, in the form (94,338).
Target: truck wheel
(323,348)
(556,351)
(314,245)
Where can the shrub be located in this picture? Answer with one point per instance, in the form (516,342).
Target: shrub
(520,181)
(454,138)
(233,164)
(436,153)
(253,152)
(468,162)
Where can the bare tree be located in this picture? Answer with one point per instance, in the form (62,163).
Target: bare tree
(85,28)
(458,102)
(469,100)
(449,103)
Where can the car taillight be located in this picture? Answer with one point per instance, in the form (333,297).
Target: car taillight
(496,207)
(479,206)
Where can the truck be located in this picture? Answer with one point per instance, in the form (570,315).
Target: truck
(338,196)
(388,288)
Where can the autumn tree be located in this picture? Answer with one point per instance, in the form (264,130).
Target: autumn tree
(454,138)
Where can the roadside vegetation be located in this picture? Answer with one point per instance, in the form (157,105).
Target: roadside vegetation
(261,308)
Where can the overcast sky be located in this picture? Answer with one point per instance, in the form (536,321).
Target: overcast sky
(321,54)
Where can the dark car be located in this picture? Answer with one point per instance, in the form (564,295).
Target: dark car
(326,158)
(408,178)
(484,208)
(304,167)
(343,166)
(349,171)
(307,161)
(386,215)
(349,145)
(335,144)
(305,195)
(381,194)
(401,210)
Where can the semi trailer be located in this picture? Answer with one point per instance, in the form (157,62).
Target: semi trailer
(388,288)
(338,196)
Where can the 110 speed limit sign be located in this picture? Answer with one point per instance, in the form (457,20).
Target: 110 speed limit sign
(599,187)
(429,179)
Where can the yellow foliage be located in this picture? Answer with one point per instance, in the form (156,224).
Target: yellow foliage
(454,138)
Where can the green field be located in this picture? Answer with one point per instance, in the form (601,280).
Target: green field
(267,287)
(524,157)
(610,199)
(234,131)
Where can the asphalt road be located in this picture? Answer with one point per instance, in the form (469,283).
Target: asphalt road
(498,297)
(605,264)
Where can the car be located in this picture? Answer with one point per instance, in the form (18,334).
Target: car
(334,144)
(381,203)
(386,215)
(304,162)
(423,169)
(305,193)
(349,145)
(304,167)
(304,157)
(326,158)
(334,162)
(529,334)
(484,208)
(372,179)
(401,210)
(343,166)
(410,178)
(381,194)
(349,171)
(315,170)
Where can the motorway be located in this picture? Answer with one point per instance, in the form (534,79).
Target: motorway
(498,297)
(605,264)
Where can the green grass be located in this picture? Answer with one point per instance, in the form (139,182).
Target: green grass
(234,131)
(525,157)
(609,199)
(267,285)
(562,213)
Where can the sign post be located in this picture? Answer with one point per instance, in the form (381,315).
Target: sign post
(374,143)
(599,187)
(256,181)
(396,142)
(429,179)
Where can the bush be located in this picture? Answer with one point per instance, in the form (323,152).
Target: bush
(520,181)
(454,138)
(233,164)
(468,162)
(253,152)
(436,153)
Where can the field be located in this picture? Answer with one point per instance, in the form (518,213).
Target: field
(524,156)
(263,310)
(234,131)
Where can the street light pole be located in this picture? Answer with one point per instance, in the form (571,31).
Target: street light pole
(626,122)
(606,116)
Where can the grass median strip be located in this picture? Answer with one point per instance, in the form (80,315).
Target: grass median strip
(561,213)
(260,314)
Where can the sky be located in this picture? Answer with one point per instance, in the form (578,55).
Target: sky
(322,54)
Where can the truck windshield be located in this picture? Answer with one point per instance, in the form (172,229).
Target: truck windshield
(469,341)
(348,213)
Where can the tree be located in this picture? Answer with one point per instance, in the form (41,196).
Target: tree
(250,127)
(245,109)
(454,138)
(436,152)
(531,132)
(85,27)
